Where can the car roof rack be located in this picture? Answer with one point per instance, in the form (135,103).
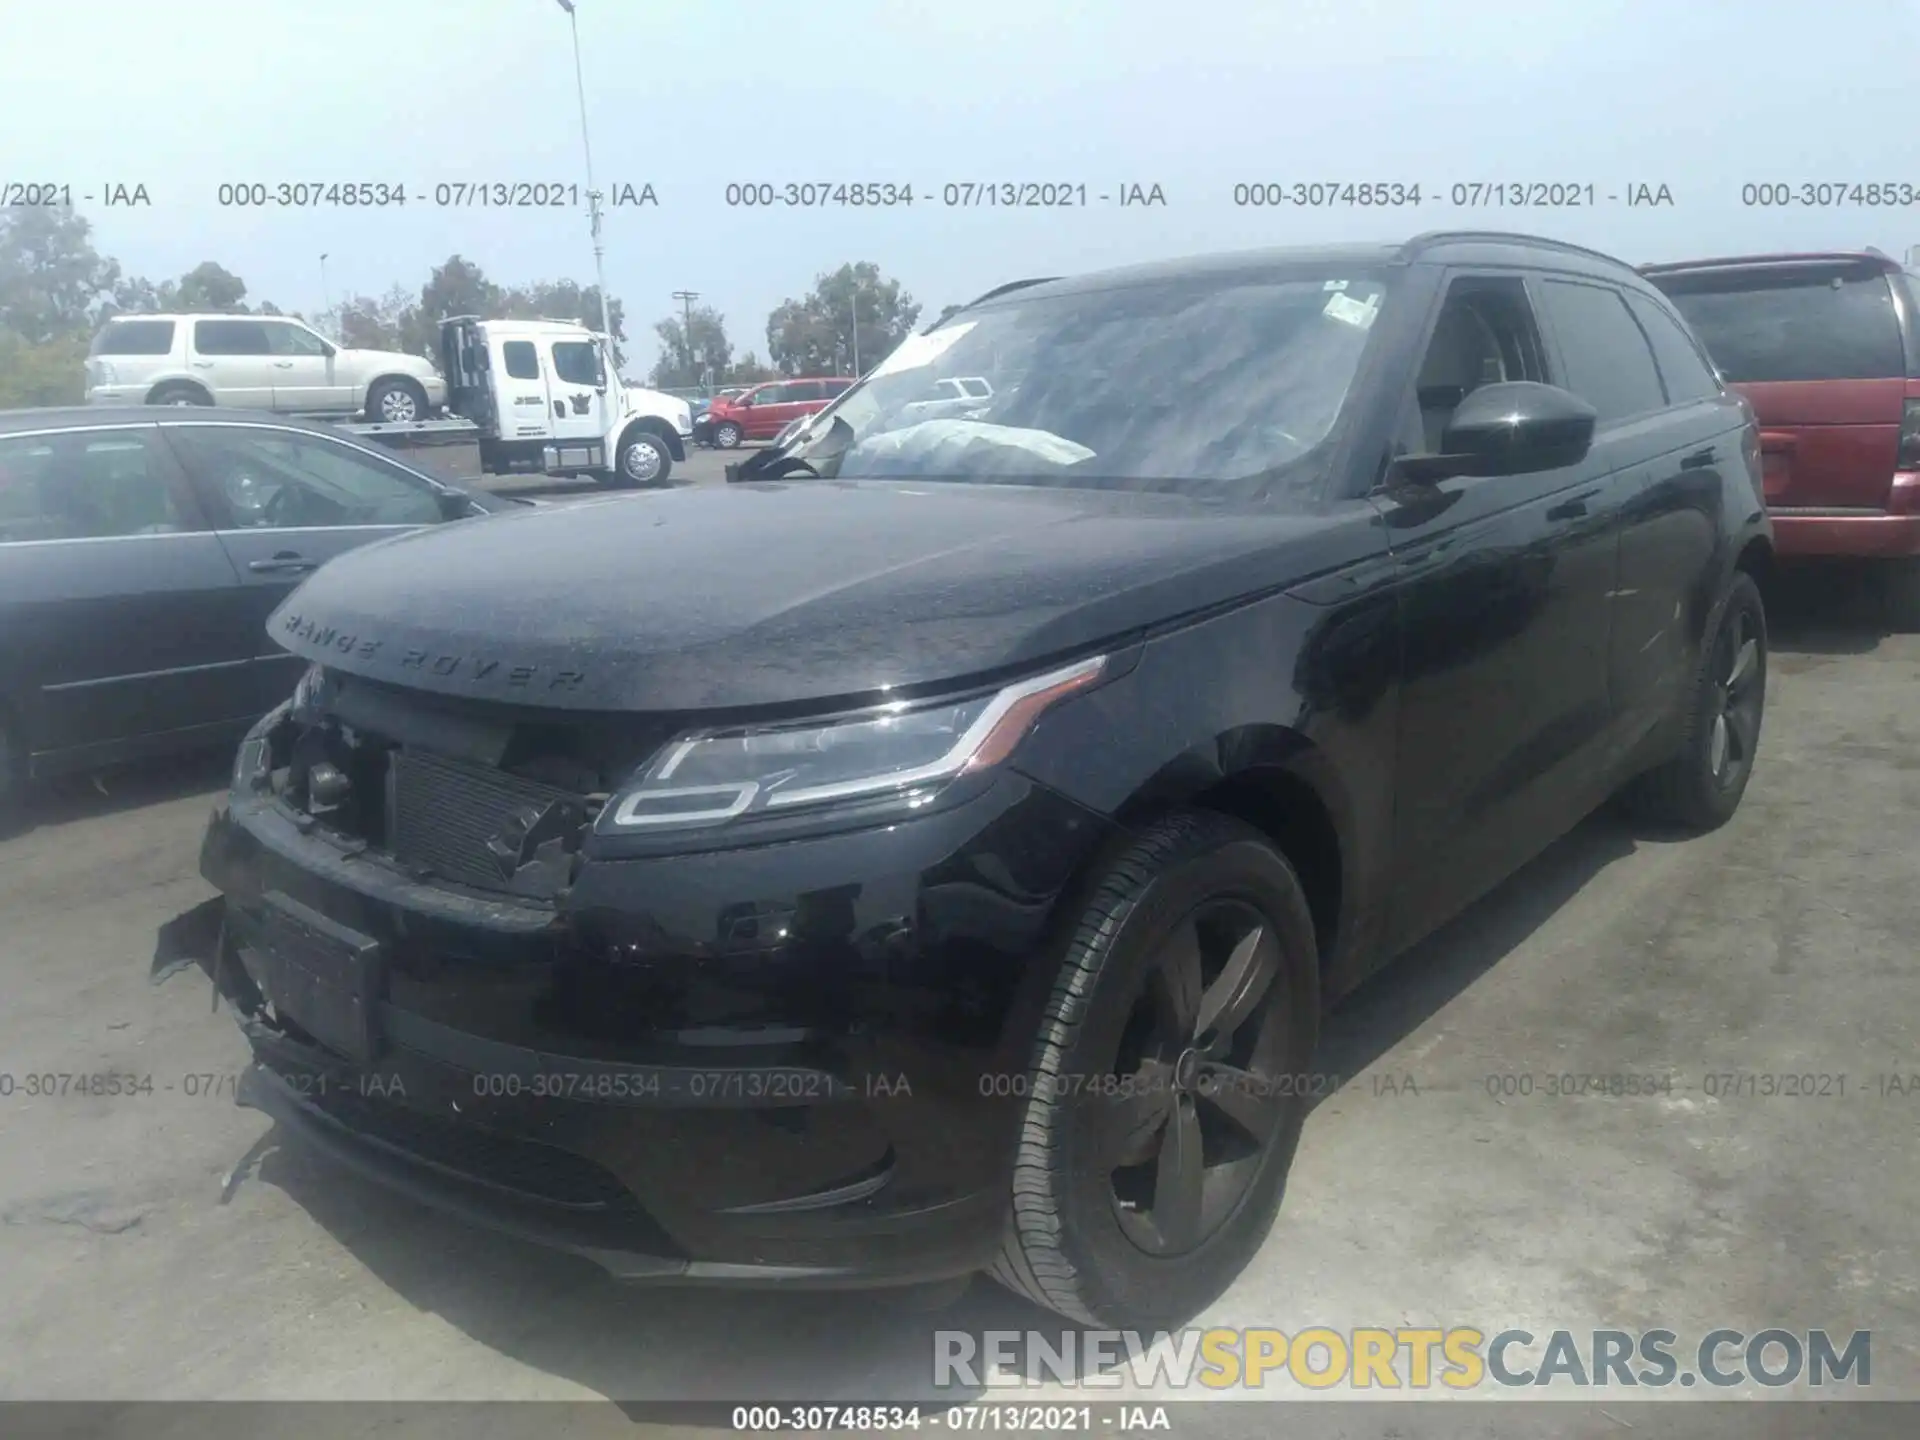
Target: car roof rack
(1809,257)
(1505,237)
(993,294)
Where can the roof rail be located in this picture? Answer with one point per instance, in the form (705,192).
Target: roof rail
(1505,237)
(1809,257)
(993,294)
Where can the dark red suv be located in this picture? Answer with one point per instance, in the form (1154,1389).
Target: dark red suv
(1826,347)
(764,411)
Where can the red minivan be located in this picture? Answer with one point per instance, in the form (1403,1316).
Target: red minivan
(1826,347)
(763,412)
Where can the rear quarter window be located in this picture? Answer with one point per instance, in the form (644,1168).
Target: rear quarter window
(1800,323)
(135,337)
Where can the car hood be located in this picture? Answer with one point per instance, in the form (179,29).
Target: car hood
(775,594)
(391,360)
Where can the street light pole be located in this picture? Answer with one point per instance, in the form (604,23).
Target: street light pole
(326,295)
(854,306)
(593,195)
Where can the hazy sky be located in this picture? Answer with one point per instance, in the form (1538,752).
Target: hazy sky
(1700,95)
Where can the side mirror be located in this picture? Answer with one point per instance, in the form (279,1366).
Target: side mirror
(328,350)
(1518,427)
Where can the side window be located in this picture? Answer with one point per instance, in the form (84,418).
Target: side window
(1682,367)
(96,485)
(292,339)
(283,479)
(1609,364)
(1485,334)
(808,390)
(836,388)
(522,360)
(231,337)
(135,337)
(1806,322)
(772,394)
(574,363)
(977,389)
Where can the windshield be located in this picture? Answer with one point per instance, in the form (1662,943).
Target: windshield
(1183,385)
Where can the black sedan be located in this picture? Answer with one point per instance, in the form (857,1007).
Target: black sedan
(141,551)
(958,886)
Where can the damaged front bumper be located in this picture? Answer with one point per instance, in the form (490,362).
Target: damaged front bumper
(768,1066)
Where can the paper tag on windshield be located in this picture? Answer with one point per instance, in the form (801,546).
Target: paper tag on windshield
(918,350)
(1353,312)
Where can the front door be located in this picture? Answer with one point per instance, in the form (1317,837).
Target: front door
(520,390)
(284,502)
(305,372)
(1505,586)
(577,390)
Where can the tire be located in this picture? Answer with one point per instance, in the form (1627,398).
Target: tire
(726,436)
(178,392)
(396,402)
(643,460)
(1080,1241)
(1700,787)
(1900,595)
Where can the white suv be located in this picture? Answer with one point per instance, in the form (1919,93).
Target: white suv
(256,362)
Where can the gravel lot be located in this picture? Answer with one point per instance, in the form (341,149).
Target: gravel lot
(1783,944)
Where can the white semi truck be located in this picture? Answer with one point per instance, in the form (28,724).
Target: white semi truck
(543,396)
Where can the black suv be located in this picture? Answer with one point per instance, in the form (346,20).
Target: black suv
(935,856)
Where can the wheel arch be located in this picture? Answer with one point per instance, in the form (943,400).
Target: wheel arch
(412,382)
(186,382)
(1278,781)
(654,425)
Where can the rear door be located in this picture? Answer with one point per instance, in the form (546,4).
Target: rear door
(234,359)
(283,502)
(112,591)
(1817,347)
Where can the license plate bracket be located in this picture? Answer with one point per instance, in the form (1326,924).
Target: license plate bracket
(328,978)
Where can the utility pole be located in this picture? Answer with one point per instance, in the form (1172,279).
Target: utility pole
(326,295)
(686,299)
(593,195)
(854,306)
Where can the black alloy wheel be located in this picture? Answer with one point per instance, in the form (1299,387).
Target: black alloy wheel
(1164,1098)
(1193,1102)
(1700,787)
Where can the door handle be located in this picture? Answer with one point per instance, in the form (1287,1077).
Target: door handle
(1573,508)
(283,364)
(285,563)
(1700,459)
(203,364)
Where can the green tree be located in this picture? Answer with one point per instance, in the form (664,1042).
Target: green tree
(51,372)
(362,322)
(457,287)
(688,352)
(566,300)
(818,335)
(211,287)
(747,370)
(53,283)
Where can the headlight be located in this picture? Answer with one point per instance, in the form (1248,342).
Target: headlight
(901,751)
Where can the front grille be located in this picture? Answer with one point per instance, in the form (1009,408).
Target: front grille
(480,826)
(502,1162)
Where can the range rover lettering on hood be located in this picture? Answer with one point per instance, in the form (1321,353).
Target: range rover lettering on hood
(738,597)
(446,665)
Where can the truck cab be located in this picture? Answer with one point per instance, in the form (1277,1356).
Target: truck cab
(546,396)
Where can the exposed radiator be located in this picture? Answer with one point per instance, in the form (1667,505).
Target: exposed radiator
(480,826)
